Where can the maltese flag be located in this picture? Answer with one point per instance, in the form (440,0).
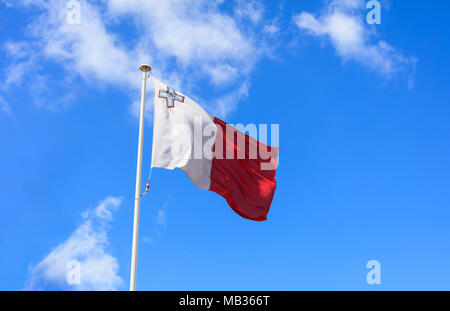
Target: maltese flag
(214,155)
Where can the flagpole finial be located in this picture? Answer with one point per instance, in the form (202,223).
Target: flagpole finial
(145,68)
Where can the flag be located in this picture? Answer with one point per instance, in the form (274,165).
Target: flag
(213,154)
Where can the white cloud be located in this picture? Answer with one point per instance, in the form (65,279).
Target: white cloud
(193,39)
(221,74)
(271,29)
(160,224)
(228,102)
(342,23)
(185,41)
(87,49)
(17,50)
(251,9)
(22,59)
(86,245)
(161,219)
(5,107)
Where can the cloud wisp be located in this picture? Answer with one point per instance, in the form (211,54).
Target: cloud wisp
(342,23)
(160,223)
(5,107)
(86,250)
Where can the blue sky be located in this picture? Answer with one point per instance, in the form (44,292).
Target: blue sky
(364,121)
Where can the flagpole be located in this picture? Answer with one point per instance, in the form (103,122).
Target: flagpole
(137,196)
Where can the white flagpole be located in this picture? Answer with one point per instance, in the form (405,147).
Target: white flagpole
(137,196)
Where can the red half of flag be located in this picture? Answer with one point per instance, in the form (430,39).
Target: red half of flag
(247,184)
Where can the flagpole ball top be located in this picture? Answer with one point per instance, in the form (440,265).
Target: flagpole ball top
(145,68)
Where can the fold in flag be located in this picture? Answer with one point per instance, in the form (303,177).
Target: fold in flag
(214,155)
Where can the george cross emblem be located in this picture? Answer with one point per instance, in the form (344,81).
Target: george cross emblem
(170,96)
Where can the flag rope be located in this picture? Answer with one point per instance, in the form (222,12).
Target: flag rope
(147,187)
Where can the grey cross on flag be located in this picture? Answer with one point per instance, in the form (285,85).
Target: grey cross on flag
(170,96)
